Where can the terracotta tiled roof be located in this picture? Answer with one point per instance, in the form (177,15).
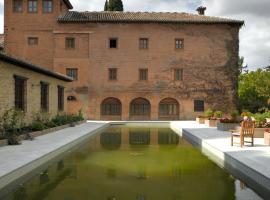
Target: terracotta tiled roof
(26,65)
(69,5)
(143,17)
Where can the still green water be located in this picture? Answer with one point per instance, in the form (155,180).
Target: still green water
(129,163)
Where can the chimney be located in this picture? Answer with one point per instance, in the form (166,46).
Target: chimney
(201,10)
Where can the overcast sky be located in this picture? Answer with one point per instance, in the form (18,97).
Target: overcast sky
(254,36)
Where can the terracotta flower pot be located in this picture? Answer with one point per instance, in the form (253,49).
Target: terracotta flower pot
(211,122)
(200,120)
(267,138)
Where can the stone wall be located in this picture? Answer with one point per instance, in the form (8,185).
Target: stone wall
(7,90)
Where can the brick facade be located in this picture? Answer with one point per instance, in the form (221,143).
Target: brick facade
(209,60)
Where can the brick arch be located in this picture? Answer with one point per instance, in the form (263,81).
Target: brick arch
(168,109)
(140,109)
(111,109)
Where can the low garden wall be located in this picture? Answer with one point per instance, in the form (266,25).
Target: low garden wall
(27,136)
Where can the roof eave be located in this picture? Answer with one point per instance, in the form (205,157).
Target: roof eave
(33,67)
(240,23)
(68,4)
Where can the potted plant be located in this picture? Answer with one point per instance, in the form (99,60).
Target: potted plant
(261,125)
(267,136)
(213,117)
(229,123)
(201,119)
(226,124)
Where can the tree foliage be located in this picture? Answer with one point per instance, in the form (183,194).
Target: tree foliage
(254,90)
(106,6)
(241,65)
(114,5)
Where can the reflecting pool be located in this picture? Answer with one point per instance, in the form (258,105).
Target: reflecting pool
(140,163)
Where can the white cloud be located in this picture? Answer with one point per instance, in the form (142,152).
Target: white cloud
(254,36)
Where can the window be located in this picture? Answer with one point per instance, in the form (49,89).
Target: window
(32,6)
(178,74)
(47,6)
(179,43)
(143,43)
(169,108)
(44,96)
(61,98)
(17,5)
(33,41)
(140,106)
(20,93)
(70,43)
(112,74)
(73,73)
(198,106)
(113,43)
(111,106)
(143,74)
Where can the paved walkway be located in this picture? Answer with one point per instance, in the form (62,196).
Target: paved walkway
(252,162)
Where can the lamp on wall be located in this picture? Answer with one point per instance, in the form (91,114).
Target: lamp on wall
(71,98)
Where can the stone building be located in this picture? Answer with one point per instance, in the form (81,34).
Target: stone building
(31,88)
(130,65)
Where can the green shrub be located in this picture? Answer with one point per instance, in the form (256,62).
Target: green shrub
(37,126)
(50,124)
(209,113)
(43,117)
(218,114)
(261,117)
(235,114)
(11,122)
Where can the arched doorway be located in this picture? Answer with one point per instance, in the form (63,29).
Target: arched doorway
(169,109)
(111,109)
(140,109)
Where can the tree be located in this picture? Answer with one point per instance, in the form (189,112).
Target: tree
(242,68)
(106,6)
(115,5)
(254,90)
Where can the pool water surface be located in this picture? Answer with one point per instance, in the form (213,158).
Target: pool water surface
(140,163)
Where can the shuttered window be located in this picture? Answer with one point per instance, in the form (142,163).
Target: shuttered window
(112,74)
(17,5)
(73,73)
(198,106)
(178,74)
(32,6)
(44,96)
(47,6)
(61,98)
(20,93)
(143,74)
(33,41)
(179,43)
(143,43)
(70,43)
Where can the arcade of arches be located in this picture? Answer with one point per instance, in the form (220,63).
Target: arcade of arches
(139,109)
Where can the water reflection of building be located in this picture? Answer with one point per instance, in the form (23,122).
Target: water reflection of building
(126,137)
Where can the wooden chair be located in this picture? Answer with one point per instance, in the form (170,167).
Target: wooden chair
(246,131)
